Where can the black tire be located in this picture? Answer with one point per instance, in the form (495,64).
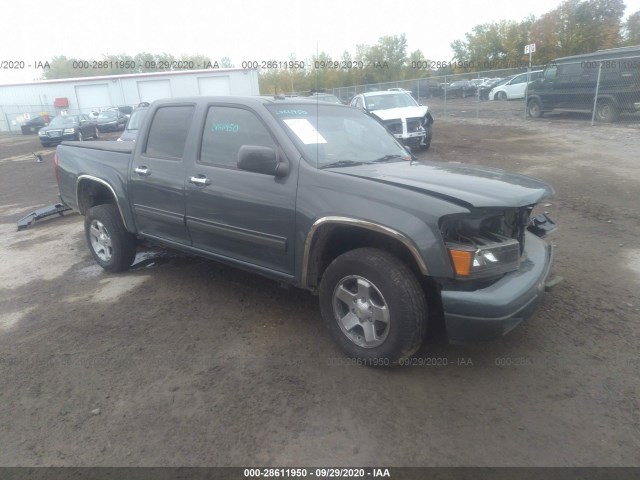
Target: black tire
(96,134)
(534,108)
(106,221)
(45,144)
(606,111)
(79,136)
(425,146)
(502,96)
(393,285)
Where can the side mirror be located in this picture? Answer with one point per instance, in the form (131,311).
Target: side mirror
(259,159)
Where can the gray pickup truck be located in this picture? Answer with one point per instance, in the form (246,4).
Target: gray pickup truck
(322,197)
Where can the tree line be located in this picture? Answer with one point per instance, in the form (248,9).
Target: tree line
(574,27)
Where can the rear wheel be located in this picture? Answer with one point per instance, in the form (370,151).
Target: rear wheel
(111,245)
(374,306)
(534,109)
(606,111)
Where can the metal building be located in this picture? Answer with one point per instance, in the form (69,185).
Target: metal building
(84,95)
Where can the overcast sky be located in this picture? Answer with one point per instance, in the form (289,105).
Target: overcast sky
(37,30)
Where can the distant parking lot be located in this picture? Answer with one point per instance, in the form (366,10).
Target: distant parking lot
(183,361)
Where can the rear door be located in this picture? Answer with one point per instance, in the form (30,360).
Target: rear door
(156,176)
(234,213)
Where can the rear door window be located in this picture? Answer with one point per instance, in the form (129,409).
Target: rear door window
(168,133)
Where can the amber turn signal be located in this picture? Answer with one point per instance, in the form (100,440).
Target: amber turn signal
(462,260)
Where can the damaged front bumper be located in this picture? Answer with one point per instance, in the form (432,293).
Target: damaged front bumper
(492,311)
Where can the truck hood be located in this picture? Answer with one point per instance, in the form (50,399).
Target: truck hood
(401,112)
(465,185)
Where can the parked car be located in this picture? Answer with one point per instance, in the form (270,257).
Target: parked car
(130,131)
(33,125)
(68,127)
(460,89)
(514,88)
(426,88)
(487,85)
(125,110)
(476,82)
(407,120)
(570,83)
(321,197)
(111,120)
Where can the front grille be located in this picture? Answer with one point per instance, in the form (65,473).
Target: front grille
(393,126)
(54,133)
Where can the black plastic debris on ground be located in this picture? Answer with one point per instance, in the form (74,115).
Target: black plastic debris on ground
(58,208)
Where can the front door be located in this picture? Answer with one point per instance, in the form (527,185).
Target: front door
(234,213)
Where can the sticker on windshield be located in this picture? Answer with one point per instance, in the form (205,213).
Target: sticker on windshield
(306,132)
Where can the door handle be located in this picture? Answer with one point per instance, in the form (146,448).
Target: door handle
(142,171)
(200,181)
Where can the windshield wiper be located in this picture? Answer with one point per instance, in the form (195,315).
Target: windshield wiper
(342,163)
(386,158)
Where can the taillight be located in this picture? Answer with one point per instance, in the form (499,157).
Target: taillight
(55,166)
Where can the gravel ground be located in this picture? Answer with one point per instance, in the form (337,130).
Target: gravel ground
(185,362)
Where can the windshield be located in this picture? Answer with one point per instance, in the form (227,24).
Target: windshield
(337,136)
(61,121)
(108,114)
(395,100)
(136,119)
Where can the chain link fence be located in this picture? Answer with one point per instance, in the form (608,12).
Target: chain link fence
(596,90)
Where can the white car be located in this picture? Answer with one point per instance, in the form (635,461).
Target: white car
(514,88)
(403,117)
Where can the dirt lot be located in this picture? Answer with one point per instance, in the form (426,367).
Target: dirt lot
(183,361)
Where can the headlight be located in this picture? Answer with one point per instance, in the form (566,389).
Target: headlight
(42,134)
(69,130)
(484,258)
(485,245)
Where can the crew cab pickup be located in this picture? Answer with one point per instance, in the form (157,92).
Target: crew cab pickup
(322,197)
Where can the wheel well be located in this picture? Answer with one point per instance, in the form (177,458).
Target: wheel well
(333,240)
(92,193)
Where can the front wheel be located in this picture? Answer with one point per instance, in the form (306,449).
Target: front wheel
(79,136)
(502,96)
(534,109)
(111,245)
(374,306)
(96,134)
